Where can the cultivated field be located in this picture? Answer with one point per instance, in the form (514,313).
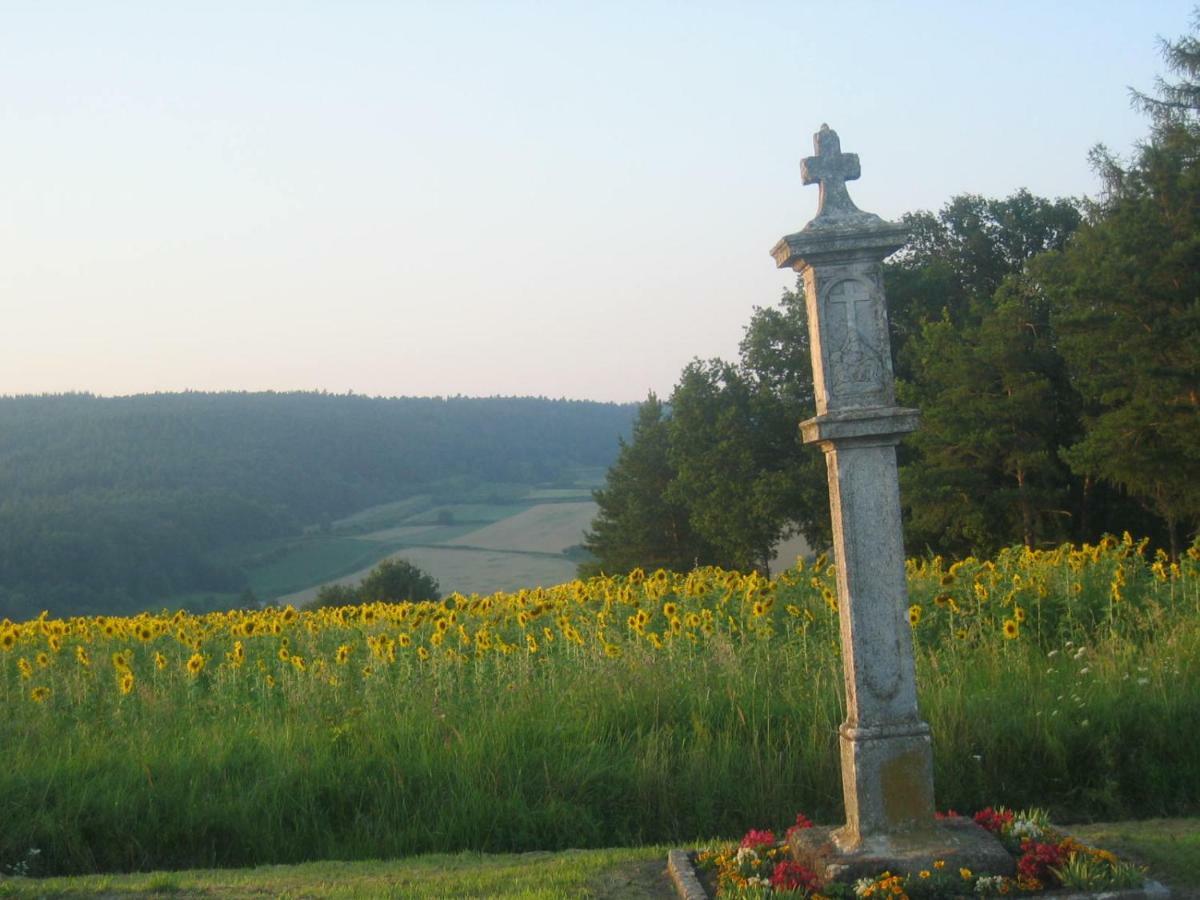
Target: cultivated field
(653,707)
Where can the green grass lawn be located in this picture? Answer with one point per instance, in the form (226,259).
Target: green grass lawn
(1170,848)
(636,874)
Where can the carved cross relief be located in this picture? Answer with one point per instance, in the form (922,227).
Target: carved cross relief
(853,335)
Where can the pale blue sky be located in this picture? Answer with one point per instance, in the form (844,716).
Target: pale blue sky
(565,199)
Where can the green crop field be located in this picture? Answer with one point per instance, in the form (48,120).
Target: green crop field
(572,716)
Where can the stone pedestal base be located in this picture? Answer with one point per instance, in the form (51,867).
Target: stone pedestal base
(959,842)
(887,780)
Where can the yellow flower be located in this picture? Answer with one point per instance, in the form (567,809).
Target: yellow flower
(1011,629)
(924,873)
(25,667)
(125,683)
(914,615)
(940,863)
(8,640)
(965,873)
(531,643)
(343,654)
(612,651)
(81,654)
(1018,615)
(160,661)
(39,694)
(195,665)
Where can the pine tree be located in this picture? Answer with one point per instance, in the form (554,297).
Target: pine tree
(640,522)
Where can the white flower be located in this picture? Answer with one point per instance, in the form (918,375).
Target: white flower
(989,884)
(1053,653)
(1024,828)
(745,854)
(1084,670)
(1143,681)
(758,881)
(862,886)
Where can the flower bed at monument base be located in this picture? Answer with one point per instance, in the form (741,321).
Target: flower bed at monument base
(1046,859)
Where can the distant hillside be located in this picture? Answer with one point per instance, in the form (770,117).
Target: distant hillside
(110,504)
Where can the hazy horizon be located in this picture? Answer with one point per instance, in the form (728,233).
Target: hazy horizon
(493,200)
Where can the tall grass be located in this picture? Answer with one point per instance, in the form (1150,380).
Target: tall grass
(556,718)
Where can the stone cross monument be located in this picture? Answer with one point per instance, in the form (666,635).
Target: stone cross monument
(886,753)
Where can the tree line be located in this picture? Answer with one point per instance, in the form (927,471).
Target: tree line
(112,504)
(1052,346)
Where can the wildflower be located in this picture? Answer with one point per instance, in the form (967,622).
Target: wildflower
(1011,629)
(993,820)
(924,873)
(195,665)
(125,683)
(965,873)
(39,694)
(757,840)
(791,876)
(914,615)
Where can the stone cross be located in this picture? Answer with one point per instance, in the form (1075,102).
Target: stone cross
(886,750)
(831,168)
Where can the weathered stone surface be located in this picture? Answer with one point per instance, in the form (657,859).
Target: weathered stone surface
(958,842)
(886,752)
(683,876)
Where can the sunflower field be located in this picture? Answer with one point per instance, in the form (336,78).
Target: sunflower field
(647,707)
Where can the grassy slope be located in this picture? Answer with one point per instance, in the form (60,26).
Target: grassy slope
(621,873)
(1169,847)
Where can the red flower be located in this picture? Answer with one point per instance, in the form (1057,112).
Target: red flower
(1038,859)
(802,822)
(948,814)
(993,821)
(756,839)
(791,876)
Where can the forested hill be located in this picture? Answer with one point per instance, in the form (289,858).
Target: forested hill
(107,504)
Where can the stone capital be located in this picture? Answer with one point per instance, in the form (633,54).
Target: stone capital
(875,425)
(861,237)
